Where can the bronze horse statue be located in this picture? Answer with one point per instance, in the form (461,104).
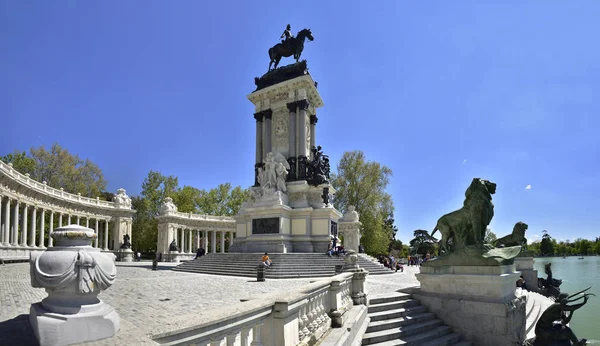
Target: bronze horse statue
(293,46)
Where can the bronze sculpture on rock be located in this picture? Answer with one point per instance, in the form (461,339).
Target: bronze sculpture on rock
(517,237)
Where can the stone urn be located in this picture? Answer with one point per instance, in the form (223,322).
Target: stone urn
(73,274)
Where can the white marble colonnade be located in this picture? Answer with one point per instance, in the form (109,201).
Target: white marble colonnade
(30,211)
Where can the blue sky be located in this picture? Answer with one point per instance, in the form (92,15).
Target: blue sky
(439,92)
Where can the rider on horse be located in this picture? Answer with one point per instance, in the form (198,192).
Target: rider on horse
(287,33)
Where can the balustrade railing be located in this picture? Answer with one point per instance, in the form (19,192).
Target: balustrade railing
(302,317)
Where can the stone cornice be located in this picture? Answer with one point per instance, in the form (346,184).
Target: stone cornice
(197,221)
(22,188)
(289,91)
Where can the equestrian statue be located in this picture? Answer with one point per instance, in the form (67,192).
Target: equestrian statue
(289,46)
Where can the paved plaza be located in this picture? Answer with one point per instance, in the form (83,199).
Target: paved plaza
(152,302)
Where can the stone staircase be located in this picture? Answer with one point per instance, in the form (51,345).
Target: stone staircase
(398,319)
(285,266)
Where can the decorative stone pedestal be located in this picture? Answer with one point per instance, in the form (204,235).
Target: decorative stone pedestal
(530,275)
(73,274)
(479,302)
(125,255)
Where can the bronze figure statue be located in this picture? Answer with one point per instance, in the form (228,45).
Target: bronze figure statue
(517,237)
(551,328)
(173,246)
(289,46)
(126,242)
(467,225)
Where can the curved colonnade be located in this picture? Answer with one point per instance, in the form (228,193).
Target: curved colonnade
(30,211)
(190,232)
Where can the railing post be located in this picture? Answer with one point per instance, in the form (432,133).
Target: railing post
(284,326)
(256,337)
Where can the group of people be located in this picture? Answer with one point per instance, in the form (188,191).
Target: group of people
(200,252)
(390,262)
(335,249)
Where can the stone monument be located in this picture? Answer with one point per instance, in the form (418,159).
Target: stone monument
(471,285)
(289,210)
(73,274)
(125,253)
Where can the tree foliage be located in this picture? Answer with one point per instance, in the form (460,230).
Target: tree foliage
(60,169)
(362,183)
(546,246)
(490,236)
(423,243)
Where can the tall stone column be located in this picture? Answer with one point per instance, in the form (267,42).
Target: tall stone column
(230,238)
(197,239)
(223,241)
(24,225)
(292,141)
(313,126)
(33,225)
(205,240)
(105,234)
(78,220)
(60,219)
(213,242)
(51,229)
(1,221)
(267,141)
(97,235)
(15,228)
(87,222)
(6,240)
(41,240)
(259,145)
(302,160)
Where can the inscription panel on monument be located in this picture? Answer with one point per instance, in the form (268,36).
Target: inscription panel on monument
(265,225)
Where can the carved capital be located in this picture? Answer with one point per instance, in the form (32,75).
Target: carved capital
(268,114)
(259,117)
(313,119)
(303,105)
(292,107)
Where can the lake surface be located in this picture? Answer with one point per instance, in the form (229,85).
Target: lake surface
(577,275)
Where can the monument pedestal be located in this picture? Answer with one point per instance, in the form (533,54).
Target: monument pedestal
(478,302)
(530,275)
(125,255)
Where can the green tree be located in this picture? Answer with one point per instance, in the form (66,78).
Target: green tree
(490,236)
(597,246)
(535,248)
(546,246)
(362,183)
(20,161)
(423,243)
(222,200)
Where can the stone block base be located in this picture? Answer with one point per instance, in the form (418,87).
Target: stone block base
(61,329)
(479,302)
(125,255)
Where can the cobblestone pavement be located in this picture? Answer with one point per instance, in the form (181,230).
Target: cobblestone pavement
(152,302)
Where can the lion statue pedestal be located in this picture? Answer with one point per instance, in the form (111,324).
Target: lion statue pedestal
(471,285)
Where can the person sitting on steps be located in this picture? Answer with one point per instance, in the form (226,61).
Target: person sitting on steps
(266,261)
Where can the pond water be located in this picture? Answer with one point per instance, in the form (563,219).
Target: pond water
(578,274)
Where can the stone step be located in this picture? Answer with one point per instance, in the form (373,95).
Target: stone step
(399,322)
(448,339)
(253,274)
(393,305)
(464,343)
(397,313)
(402,332)
(388,297)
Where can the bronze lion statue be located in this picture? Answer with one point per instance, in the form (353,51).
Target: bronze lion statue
(517,237)
(467,225)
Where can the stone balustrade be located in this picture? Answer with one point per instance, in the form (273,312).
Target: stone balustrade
(295,318)
(30,211)
(189,232)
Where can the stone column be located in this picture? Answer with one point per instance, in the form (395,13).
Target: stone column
(6,239)
(205,240)
(24,226)
(223,241)
(313,126)
(87,222)
(302,160)
(197,239)
(292,141)
(97,235)
(182,247)
(105,234)
(78,220)
(1,221)
(230,238)
(60,219)
(267,143)
(259,145)
(191,246)
(51,229)
(213,242)
(41,239)
(15,228)
(33,225)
